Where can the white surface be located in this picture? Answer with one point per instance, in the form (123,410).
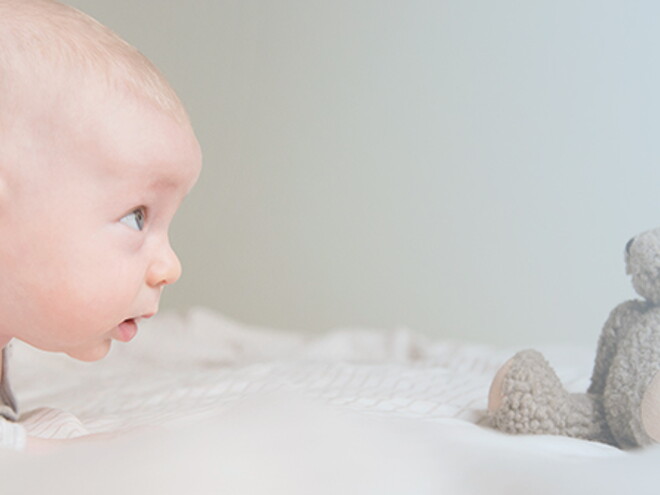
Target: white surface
(205,405)
(12,435)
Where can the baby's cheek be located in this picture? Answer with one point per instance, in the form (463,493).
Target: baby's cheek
(82,302)
(74,317)
(96,291)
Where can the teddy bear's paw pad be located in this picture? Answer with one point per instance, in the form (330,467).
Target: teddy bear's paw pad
(527,396)
(496,392)
(650,409)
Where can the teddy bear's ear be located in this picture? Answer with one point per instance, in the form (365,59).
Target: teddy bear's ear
(627,254)
(630,254)
(643,264)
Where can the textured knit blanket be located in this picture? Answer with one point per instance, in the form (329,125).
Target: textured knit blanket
(203,404)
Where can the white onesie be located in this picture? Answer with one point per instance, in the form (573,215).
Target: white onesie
(12,434)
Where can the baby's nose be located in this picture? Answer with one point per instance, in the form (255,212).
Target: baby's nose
(165,268)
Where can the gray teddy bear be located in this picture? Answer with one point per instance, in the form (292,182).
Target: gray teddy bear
(622,404)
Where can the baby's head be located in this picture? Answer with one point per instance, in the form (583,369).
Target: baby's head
(96,155)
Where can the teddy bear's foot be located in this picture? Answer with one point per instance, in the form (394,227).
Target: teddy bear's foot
(526,396)
(523,394)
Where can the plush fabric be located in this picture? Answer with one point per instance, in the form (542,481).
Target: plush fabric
(529,398)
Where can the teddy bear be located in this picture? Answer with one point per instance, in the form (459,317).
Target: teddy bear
(622,404)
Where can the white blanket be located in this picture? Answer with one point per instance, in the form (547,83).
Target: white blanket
(203,404)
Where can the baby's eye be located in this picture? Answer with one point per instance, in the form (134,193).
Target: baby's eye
(134,219)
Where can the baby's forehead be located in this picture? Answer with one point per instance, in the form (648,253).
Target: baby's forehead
(132,138)
(69,83)
(44,44)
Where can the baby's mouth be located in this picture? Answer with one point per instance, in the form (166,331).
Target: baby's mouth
(126,330)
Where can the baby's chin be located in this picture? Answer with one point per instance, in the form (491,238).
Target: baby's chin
(93,353)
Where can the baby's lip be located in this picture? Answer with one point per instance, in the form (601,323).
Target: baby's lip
(126,330)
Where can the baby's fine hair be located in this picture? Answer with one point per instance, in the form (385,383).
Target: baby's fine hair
(41,39)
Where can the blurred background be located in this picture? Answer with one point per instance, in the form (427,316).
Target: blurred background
(470,169)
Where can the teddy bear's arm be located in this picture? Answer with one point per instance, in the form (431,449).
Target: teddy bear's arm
(630,407)
(622,318)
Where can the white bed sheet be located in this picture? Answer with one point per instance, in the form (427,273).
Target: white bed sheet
(203,404)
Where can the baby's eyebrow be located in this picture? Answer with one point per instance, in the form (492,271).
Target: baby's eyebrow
(164,183)
(167,186)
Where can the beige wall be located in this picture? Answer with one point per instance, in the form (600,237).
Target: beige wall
(470,169)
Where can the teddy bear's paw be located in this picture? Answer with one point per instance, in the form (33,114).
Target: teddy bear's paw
(527,397)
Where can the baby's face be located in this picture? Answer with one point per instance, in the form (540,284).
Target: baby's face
(85,252)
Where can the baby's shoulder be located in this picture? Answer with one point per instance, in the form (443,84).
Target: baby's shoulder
(8,409)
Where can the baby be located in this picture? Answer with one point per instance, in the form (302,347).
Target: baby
(96,155)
